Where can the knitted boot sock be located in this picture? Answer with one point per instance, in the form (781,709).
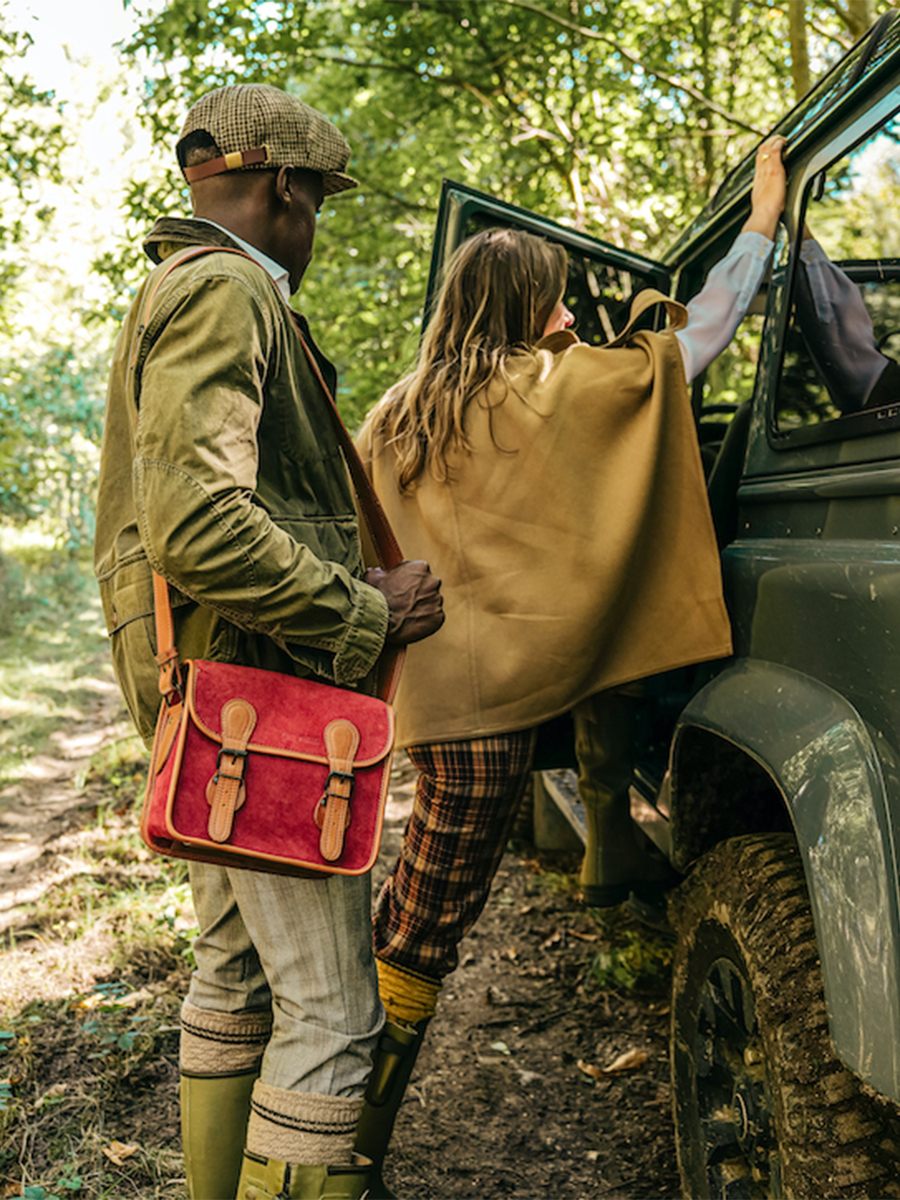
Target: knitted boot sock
(220,1054)
(300,1147)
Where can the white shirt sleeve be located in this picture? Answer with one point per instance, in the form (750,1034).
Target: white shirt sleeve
(716,311)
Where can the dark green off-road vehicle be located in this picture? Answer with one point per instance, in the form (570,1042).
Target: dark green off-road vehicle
(772,780)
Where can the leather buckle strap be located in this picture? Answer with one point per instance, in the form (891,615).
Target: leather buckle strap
(234,161)
(333,811)
(226,791)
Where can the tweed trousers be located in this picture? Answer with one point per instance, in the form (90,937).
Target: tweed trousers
(301,950)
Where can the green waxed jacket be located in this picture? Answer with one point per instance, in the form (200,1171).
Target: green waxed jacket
(227,479)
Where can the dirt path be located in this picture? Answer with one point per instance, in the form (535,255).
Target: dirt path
(49,799)
(499,1105)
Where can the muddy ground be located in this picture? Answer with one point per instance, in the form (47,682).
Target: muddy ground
(500,1104)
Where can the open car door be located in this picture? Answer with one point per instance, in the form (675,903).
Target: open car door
(603,280)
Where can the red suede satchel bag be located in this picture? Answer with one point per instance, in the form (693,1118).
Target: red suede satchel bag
(256,769)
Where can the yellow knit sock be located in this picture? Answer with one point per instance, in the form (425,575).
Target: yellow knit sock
(407,998)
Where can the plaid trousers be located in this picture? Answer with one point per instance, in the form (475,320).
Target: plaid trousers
(466,800)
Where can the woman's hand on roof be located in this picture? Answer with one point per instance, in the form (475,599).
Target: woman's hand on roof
(769,184)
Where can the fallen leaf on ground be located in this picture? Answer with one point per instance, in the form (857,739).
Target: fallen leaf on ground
(117,1152)
(631,1060)
(591,1069)
(553,940)
(585,937)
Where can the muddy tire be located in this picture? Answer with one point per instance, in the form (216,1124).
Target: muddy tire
(762,1105)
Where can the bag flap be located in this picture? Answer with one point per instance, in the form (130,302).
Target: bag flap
(291,713)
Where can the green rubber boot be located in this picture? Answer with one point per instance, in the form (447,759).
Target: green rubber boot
(214,1114)
(619,859)
(392,1065)
(266,1179)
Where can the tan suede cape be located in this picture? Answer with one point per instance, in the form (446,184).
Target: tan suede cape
(575,542)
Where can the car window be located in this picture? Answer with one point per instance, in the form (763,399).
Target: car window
(840,371)
(598,292)
(727,384)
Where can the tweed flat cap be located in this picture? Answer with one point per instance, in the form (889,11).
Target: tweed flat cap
(257,127)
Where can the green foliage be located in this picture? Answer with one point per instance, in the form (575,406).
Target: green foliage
(50,641)
(51,406)
(631,959)
(31,139)
(50,388)
(113,1026)
(619,118)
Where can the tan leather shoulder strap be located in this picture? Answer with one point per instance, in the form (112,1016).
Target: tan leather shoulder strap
(383,539)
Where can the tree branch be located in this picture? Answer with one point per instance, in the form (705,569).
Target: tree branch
(397,69)
(678,84)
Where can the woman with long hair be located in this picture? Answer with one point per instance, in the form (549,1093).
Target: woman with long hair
(557,490)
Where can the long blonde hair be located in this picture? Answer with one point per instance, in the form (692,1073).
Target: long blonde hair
(499,290)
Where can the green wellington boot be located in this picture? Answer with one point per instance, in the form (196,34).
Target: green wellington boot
(392,1064)
(619,859)
(214,1115)
(266,1179)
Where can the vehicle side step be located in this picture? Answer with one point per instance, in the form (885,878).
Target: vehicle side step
(559,818)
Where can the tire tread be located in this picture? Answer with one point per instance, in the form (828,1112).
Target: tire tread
(837,1139)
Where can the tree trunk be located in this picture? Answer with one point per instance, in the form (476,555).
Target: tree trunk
(860,15)
(799,47)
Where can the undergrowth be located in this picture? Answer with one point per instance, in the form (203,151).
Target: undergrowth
(51,640)
(94,967)
(627,955)
(93,978)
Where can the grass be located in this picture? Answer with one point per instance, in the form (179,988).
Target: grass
(89,1001)
(95,964)
(53,652)
(91,991)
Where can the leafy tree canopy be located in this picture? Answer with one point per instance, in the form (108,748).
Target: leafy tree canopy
(616,116)
(31,140)
(51,370)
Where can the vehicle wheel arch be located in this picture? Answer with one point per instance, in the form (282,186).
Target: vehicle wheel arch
(783,752)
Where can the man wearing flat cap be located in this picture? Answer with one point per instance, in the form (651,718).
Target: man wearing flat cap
(221,472)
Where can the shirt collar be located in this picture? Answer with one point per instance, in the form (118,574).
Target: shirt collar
(276,270)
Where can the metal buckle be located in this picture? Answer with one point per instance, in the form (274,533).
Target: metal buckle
(347,776)
(224,775)
(231,754)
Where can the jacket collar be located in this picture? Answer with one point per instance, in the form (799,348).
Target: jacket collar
(172,233)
